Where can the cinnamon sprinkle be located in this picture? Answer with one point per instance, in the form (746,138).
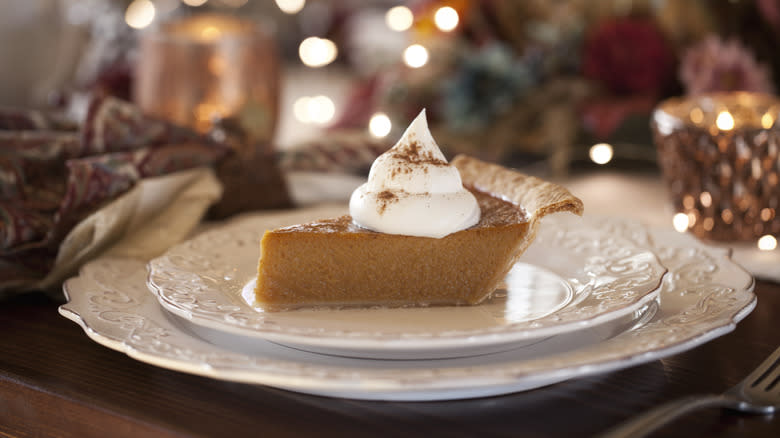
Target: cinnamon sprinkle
(385,197)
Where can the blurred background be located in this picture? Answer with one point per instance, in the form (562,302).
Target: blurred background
(506,80)
(658,110)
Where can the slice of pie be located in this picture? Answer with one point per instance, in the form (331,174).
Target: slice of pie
(334,262)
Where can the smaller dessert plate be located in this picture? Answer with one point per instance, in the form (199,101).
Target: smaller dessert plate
(577,274)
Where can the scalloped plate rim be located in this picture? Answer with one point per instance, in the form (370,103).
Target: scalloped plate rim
(486,384)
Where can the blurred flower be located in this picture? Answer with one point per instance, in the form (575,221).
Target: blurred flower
(486,83)
(628,55)
(717,65)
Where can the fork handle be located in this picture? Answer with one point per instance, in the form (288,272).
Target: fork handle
(653,419)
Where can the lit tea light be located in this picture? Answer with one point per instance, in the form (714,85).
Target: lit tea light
(680,222)
(399,18)
(139,14)
(601,153)
(317,52)
(416,56)
(380,125)
(724,121)
(767,243)
(290,6)
(204,68)
(446,19)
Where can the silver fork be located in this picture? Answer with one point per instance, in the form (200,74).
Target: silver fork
(758,393)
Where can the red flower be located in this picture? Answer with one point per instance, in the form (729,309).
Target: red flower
(628,55)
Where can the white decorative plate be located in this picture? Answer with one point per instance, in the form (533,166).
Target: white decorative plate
(703,297)
(576,275)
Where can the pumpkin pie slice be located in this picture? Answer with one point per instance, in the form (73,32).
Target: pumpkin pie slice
(334,262)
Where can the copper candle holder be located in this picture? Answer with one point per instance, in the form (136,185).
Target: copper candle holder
(719,157)
(210,68)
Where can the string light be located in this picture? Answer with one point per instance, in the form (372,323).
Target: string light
(416,56)
(194,3)
(139,14)
(767,242)
(380,125)
(399,18)
(291,6)
(601,153)
(317,52)
(446,18)
(680,222)
(724,122)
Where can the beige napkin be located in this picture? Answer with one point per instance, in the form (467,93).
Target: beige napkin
(155,214)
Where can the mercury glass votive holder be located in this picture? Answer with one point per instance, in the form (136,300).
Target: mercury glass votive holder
(718,154)
(209,68)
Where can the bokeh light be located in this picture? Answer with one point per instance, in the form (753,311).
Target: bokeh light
(724,122)
(680,222)
(767,120)
(290,6)
(399,18)
(317,52)
(210,33)
(446,19)
(601,153)
(380,125)
(767,242)
(139,14)
(194,2)
(317,109)
(697,115)
(416,56)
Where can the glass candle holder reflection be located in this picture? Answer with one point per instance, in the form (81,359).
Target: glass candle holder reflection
(210,68)
(719,157)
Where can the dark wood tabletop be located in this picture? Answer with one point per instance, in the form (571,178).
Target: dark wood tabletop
(55,381)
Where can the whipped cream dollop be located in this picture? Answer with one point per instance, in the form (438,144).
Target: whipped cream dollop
(412,190)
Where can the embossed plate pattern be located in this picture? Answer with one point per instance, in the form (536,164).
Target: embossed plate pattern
(572,277)
(703,297)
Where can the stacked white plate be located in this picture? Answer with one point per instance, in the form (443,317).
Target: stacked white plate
(589,296)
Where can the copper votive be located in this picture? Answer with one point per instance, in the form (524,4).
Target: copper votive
(719,157)
(210,68)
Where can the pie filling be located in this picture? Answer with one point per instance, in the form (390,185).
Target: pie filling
(334,262)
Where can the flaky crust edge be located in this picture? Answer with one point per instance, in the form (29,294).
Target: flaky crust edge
(536,196)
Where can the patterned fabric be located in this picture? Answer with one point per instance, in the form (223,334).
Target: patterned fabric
(52,178)
(343,151)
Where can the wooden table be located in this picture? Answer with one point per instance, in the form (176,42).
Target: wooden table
(54,381)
